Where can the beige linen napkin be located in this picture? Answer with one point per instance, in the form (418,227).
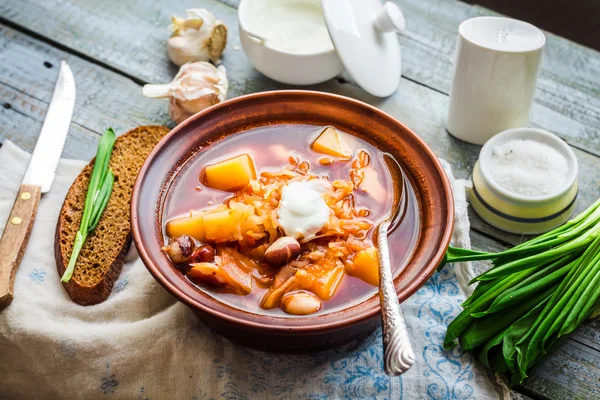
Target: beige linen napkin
(143,344)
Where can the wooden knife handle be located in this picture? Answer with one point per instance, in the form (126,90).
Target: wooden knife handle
(15,237)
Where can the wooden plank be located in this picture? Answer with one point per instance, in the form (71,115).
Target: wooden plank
(589,335)
(422,113)
(479,241)
(21,118)
(567,100)
(28,70)
(137,47)
(523,396)
(30,66)
(571,372)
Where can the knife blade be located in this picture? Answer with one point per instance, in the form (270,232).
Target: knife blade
(37,180)
(50,144)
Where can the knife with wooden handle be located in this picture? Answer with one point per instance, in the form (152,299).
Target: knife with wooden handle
(38,179)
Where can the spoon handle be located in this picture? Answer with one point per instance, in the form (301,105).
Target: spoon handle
(398,352)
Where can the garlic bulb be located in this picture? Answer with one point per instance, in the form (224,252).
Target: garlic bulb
(196,86)
(199,37)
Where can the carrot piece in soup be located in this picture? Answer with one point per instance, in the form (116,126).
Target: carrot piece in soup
(230,175)
(365,266)
(330,142)
(191,224)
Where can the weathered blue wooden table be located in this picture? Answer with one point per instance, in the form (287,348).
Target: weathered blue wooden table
(115,46)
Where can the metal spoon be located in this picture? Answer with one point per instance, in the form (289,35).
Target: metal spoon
(398,352)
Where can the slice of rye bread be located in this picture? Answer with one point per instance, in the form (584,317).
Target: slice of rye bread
(103,253)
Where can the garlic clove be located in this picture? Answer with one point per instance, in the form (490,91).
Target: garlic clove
(196,86)
(181,52)
(192,106)
(176,113)
(179,25)
(156,91)
(218,41)
(199,37)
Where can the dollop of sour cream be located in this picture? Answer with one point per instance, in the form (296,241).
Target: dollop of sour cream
(302,211)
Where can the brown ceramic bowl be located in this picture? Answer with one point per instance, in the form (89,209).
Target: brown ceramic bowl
(317,332)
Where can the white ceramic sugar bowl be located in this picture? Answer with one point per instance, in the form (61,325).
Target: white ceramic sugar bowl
(515,212)
(304,42)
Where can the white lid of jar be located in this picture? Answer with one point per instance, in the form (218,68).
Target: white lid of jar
(364,35)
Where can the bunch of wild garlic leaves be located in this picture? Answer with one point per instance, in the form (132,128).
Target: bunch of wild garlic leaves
(534,294)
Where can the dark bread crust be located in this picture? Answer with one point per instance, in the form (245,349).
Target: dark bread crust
(103,254)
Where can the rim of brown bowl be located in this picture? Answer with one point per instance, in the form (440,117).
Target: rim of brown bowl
(166,274)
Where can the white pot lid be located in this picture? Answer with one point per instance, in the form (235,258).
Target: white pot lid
(364,35)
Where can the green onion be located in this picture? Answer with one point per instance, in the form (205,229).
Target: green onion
(595,310)
(464,319)
(482,288)
(540,280)
(515,332)
(534,294)
(484,329)
(99,191)
(486,355)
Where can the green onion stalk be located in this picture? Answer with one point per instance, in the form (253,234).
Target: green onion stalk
(98,194)
(534,294)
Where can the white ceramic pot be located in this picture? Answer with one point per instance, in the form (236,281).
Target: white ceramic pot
(288,58)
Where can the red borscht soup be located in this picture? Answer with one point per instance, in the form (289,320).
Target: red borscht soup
(280,220)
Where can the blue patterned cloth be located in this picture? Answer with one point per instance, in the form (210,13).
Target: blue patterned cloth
(143,344)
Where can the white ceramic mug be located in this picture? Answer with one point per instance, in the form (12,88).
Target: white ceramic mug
(495,74)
